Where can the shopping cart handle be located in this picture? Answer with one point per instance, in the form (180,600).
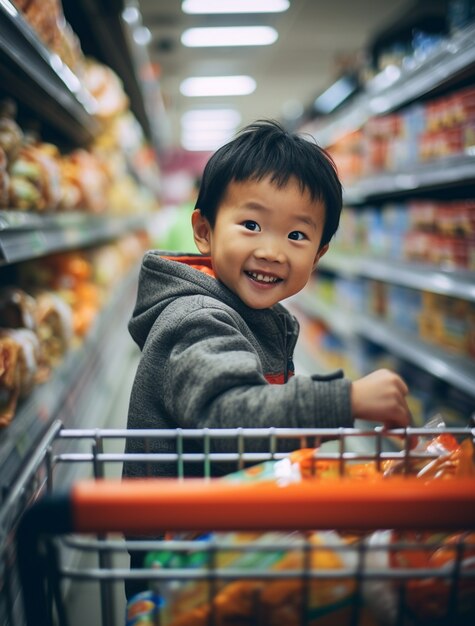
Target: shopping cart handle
(156,504)
(145,506)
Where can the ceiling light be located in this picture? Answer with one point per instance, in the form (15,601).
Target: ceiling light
(217,86)
(235,6)
(214,134)
(203,144)
(208,129)
(211,118)
(229,36)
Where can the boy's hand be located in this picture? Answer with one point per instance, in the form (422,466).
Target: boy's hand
(381,397)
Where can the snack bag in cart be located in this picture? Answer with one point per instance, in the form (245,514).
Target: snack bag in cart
(289,601)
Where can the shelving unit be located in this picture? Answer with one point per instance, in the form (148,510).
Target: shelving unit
(26,235)
(85,382)
(41,80)
(395,87)
(452,171)
(81,392)
(80,389)
(456,370)
(454,283)
(453,61)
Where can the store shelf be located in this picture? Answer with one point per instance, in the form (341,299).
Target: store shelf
(39,79)
(455,170)
(454,283)
(27,235)
(80,390)
(396,87)
(456,370)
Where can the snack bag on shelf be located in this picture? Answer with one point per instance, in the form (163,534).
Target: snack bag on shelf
(35,177)
(46,17)
(108,90)
(17,309)
(19,357)
(11,135)
(4,179)
(9,379)
(86,182)
(54,318)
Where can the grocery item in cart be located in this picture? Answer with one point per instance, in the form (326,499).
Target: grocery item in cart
(271,602)
(435,456)
(143,609)
(427,599)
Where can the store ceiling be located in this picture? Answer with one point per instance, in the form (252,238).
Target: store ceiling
(315,38)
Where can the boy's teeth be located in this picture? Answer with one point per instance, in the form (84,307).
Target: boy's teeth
(262,278)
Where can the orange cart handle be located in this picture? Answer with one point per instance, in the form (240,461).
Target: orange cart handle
(148,505)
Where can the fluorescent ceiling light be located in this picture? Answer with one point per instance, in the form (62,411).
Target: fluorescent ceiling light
(210,118)
(213,134)
(217,86)
(208,129)
(229,36)
(204,144)
(142,35)
(235,6)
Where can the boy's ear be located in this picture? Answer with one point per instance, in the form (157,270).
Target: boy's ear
(201,232)
(323,250)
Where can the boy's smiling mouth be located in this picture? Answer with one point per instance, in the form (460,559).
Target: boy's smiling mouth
(260,277)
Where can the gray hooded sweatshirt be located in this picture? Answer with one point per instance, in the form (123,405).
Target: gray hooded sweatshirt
(210,361)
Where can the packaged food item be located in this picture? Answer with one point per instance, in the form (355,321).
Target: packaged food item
(35,178)
(9,379)
(54,321)
(441,456)
(11,135)
(142,610)
(426,599)
(86,182)
(19,356)
(273,602)
(17,308)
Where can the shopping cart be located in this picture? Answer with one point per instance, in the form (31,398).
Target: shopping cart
(380,577)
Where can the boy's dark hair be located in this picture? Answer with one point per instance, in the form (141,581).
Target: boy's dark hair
(265,148)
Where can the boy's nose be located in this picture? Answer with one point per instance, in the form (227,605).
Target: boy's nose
(270,252)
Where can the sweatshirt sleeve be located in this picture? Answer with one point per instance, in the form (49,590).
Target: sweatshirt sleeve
(213,378)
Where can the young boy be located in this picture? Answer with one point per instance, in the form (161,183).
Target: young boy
(217,345)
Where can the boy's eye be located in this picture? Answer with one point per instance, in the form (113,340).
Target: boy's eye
(251,225)
(297,235)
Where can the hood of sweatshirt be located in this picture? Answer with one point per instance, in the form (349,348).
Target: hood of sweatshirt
(164,277)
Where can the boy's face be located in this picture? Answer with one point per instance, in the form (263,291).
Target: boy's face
(264,244)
